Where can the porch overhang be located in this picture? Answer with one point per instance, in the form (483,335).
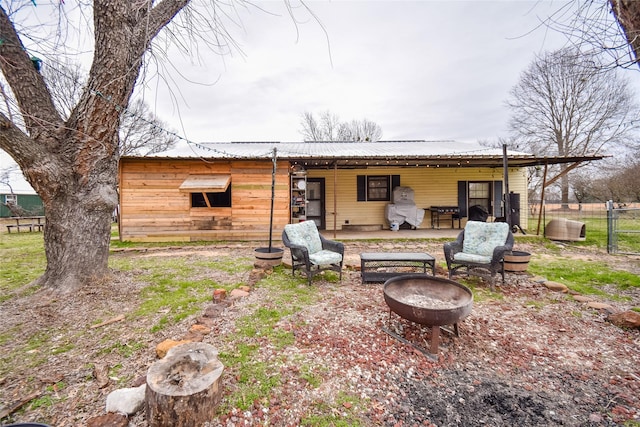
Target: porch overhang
(452,161)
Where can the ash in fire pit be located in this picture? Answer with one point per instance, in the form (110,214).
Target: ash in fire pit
(425,301)
(430,301)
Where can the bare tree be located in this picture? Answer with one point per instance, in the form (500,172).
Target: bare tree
(141,132)
(330,128)
(618,181)
(71,160)
(565,105)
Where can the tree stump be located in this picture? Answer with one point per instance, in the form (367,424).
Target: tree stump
(183,389)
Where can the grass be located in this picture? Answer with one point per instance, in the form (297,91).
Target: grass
(23,261)
(176,288)
(586,277)
(261,327)
(336,414)
(596,230)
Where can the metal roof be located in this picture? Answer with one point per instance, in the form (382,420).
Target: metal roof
(442,153)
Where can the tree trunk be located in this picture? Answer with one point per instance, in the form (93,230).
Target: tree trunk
(183,389)
(627,12)
(564,191)
(77,235)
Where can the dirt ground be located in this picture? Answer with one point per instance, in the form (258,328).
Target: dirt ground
(526,357)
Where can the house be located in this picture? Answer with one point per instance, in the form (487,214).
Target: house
(223,191)
(18,204)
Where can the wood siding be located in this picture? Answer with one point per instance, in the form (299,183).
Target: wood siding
(152,208)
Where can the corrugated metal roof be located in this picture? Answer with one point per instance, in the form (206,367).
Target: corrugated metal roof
(447,153)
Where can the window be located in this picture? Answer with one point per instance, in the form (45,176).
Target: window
(11,199)
(480,194)
(376,188)
(211,200)
(208,191)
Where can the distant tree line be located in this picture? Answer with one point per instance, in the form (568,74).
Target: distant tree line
(329,127)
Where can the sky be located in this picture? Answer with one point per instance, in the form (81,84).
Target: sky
(432,70)
(419,69)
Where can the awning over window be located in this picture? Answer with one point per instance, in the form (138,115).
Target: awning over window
(206,183)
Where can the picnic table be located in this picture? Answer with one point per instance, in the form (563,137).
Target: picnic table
(33,223)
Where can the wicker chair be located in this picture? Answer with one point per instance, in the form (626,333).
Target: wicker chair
(480,247)
(310,251)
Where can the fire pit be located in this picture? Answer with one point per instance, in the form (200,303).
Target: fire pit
(429,301)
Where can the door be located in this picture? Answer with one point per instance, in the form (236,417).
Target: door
(315,202)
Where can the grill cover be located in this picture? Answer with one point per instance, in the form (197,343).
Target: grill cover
(403,208)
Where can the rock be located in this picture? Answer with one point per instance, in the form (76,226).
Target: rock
(555,286)
(262,264)
(205,321)
(108,420)
(214,310)
(245,288)
(582,298)
(595,418)
(238,293)
(126,401)
(200,328)
(142,379)
(256,275)
(601,306)
(625,319)
(193,336)
(101,374)
(219,295)
(166,345)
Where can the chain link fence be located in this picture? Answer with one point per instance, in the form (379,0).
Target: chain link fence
(616,230)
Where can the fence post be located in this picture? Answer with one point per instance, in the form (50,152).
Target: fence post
(610,232)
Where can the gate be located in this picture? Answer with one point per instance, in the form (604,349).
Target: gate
(623,230)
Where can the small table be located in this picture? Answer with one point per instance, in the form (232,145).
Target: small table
(370,262)
(438,211)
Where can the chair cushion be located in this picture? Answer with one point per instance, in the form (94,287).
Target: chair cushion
(478,259)
(480,238)
(304,234)
(325,257)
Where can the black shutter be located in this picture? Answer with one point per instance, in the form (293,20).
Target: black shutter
(497,199)
(395,182)
(462,198)
(362,188)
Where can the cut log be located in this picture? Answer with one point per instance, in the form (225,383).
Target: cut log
(183,389)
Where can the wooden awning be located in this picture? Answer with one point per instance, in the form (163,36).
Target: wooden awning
(206,183)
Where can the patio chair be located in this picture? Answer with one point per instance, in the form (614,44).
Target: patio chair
(310,251)
(481,246)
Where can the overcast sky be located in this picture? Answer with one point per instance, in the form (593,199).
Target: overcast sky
(420,69)
(434,70)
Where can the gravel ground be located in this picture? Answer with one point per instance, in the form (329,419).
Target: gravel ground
(526,357)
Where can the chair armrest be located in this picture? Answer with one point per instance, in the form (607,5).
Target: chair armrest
(332,245)
(450,249)
(299,252)
(500,251)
